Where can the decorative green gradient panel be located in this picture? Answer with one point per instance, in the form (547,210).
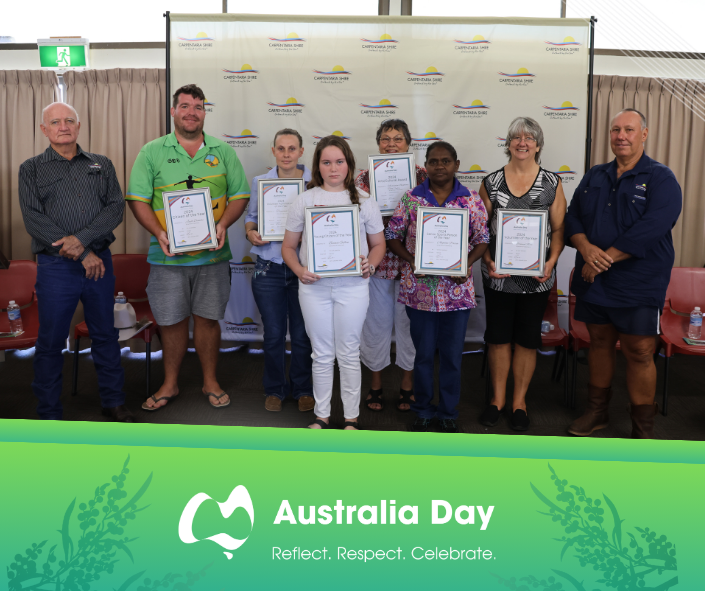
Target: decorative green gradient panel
(98,506)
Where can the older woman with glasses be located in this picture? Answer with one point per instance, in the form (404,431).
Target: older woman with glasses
(385,312)
(516,304)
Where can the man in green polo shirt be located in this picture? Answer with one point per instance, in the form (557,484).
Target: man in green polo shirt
(195,283)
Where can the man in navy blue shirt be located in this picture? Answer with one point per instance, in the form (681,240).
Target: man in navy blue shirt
(620,222)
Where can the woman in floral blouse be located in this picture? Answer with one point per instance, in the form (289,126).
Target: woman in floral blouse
(438,307)
(385,313)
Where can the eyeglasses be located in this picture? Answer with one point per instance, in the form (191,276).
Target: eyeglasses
(388,140)
(528,140)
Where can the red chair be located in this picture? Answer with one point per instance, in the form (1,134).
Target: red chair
(685,291)
(557,338)
(131,275)
(17,283)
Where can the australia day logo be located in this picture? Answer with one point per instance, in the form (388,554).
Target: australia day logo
(565,112)
(569,46)
(290,107)
(208,105)
(200,42)
(473,175)
(239,498)
(246,139)
(245,74)
(430,77)
(522,78)
(336,75)
(383,109)
(292,42)
(475,110)
(246,267)
(477,44)
(384,44)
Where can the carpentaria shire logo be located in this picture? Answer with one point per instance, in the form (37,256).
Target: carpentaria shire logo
(238,498)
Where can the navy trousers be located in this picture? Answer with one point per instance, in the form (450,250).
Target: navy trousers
(276,291)
(444,331)
(61,283)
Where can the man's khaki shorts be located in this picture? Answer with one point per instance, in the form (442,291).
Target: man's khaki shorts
(175,292)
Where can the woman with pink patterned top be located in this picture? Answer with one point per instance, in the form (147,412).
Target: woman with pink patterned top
(438,307)
(384,312)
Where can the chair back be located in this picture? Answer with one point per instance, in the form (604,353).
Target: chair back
(17,283)
(551,313)
(686,289)
(131,275)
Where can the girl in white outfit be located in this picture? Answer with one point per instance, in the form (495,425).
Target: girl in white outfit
(334,308)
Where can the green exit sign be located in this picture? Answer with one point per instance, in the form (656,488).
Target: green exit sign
(58,54)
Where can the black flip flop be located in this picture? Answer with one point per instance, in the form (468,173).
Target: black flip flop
(405,398)
(320,422)
(375,398)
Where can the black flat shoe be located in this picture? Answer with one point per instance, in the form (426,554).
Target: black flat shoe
(420,425)
(447,426)
(490,416)
(519,421)
(119,414)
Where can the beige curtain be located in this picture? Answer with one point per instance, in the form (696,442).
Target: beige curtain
(23,95)
(120,111)
(675,114)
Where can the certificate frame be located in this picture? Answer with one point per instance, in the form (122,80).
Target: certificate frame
(375,160)
(536,269)
(425,215)
(263,186)
(314,215)
(209,241)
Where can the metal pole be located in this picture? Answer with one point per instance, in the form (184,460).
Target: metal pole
(564,8)
(588,140)
(168,72)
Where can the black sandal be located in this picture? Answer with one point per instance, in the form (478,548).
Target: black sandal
(405,398)
(375,398)
(352,424)
(320,422)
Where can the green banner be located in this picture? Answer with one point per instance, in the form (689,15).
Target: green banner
(95,506)
(62,56)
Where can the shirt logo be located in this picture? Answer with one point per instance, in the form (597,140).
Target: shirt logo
(641,187)
(95,168)
(173,161)
(212,161)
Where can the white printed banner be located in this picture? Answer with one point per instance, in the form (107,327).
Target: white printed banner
(460,80)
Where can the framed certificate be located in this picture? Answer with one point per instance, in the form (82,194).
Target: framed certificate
(273,199)
(333,240)
(189,220)
(391,175)
(442,235)
(521,242)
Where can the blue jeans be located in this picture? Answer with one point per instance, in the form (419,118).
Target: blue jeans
(61,283)
(444,331)
(276,291)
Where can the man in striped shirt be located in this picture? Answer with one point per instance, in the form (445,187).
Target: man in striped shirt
(71,202)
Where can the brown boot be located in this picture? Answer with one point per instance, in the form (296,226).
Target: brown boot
(643,416)
(595,416)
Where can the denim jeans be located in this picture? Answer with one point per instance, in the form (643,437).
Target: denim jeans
(444,331)
(61,283)
(276,291)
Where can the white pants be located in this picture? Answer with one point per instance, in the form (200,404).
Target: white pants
(384,314)
(334,315)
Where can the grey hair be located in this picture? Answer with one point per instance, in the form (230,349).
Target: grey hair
(45,109)
(528,126)
(630,110)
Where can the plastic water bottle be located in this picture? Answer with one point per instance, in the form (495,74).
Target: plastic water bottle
(546,327)
(13,313)
(696,323)
(120,298)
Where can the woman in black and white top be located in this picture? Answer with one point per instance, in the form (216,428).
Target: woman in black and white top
(516,304)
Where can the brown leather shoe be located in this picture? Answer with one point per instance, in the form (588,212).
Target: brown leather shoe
(306,403)
(595,416)
(119,414)
(273,403)
(643,416)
